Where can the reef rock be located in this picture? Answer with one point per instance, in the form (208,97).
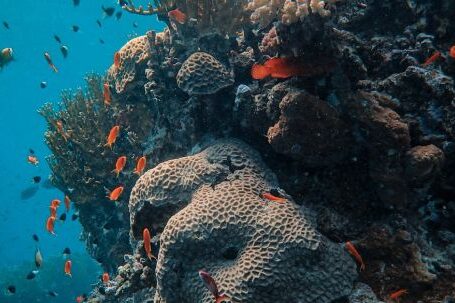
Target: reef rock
(423,162)
(203,74)
(254,248)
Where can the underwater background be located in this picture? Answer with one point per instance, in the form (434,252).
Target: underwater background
(236,151)
(24,209)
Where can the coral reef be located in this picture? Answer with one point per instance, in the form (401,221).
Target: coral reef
(250,245)
(363,138)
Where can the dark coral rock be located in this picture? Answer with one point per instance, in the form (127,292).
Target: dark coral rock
(423,162)
(309,129)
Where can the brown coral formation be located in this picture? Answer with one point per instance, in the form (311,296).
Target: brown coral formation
(203,74)
(250,245)
(132,55)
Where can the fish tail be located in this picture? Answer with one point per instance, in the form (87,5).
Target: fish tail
(221,298)
(54,68)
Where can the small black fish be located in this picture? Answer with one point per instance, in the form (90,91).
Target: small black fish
(31,275)
(66,251)
(43,84)
(36,179)
(64,50)
(75,28)
(31,151)
(102,290)
(63,217)
(52,293)
(57,38)
(122,3)
(135,24)
(74,217)
(118,15)
(76,2)
(35,238)
(101,41)
(109,11)
(11,289)
(99,23)
(5,24)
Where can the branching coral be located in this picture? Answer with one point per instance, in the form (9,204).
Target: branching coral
(159,7)
(287,11)
(82,167)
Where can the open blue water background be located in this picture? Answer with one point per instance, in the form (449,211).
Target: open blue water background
(32,28)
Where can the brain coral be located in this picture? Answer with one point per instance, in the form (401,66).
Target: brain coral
(203,74)
(256,250)
(133,53)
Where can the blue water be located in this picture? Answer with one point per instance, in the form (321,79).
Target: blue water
(33,25)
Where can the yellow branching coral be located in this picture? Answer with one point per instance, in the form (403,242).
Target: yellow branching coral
(287,11)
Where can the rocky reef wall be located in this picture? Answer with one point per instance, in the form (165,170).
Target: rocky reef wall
(358,137)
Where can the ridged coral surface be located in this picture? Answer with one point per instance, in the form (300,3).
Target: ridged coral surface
(203,74)
(254,248)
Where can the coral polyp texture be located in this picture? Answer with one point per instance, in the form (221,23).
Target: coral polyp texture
(131,56)
(203,74)
(254,248)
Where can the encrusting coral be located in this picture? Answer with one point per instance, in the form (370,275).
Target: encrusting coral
(253,247)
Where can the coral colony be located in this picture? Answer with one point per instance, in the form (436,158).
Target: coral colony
(296,151)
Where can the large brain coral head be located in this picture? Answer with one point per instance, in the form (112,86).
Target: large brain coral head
(256,250)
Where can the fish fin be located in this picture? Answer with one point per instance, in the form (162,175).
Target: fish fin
(259,72)
(221,298)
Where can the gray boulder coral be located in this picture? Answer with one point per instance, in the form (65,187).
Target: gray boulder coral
(254,248)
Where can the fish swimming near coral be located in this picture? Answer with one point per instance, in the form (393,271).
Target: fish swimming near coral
(105,278)
(66,252)
(55,202)
(6,56)
(31,275)
(452,52)
(62,217)
(57,38)
(270,197)
(117,59)
(50,225)
(108,11)
(75,28)
(433,58)
(119,165)
(283,68)
(397,294)
(64,50)
(177,15)
(5,25)
(52,293)
(67,202)
(67,268)
(115,194)
(53,211)
(11,289)
(107,94)
(112,137)
(48,59)
(147,243)
(36,179)
(32,160)
(210,284)
(38,258)
(35,238)
(353,251)
(140,165)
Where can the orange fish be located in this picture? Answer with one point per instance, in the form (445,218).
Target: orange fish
(112,137)
(53,211)
(452,52)
(49,61)
(80,299)
(436,55)
(55,202)
(117,59)
(32,160)
(140,165)
(177,15)
(50,225)
(67,268)
(60,130)
(210,283)
(119,165)
(67,203)
(277,68)
(353,251)
(107,94)
(115,194)
(270,197)
(105,278)
(147,243)
(397,294)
